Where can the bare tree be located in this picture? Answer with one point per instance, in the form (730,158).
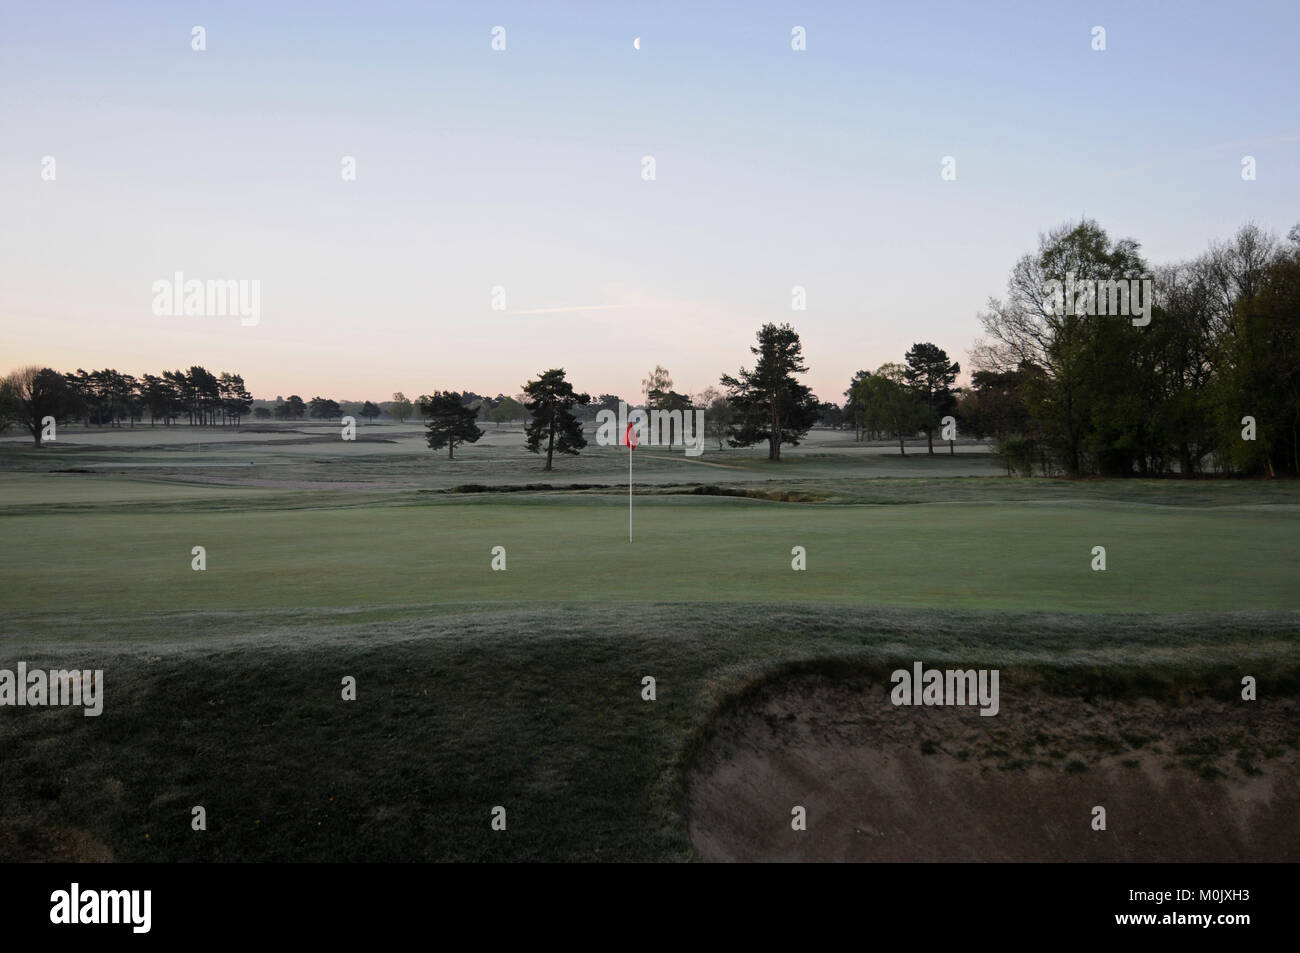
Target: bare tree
(31,394)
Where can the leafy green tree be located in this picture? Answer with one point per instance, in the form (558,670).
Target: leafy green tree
(449,421)
(997,406)
(830,415)
(104,397)
(400,409)
(717,414)
(324,409)
(293,408)
(370,411)
(79,387)
(931,375)
(890,397)
(506,410)
(182,397)
(857,411)
(769,403)
(1182,347)
(669,400)
(157,395)
(262,413)
(1260,378)
(854,413)
(1090,403)
(550,402)
(201,390)
(120,392)
(608,402)
(235,398)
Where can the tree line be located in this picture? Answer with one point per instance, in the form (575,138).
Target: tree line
(1207,381)
(1210,384)
(110,398)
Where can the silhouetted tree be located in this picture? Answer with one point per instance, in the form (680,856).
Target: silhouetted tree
(30,394)
(931,375)
(450,421)
(770,404)
(550,400)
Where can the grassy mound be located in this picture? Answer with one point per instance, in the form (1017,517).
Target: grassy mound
(538,711)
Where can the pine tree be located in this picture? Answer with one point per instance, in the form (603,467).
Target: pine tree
(450,422)
(769,403)
(549,402)
(930,374)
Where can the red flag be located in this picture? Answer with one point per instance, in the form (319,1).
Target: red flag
(629,438)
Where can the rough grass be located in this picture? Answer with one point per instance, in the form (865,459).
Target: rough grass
(539,711)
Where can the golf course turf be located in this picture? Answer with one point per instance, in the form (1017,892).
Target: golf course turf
(524,688)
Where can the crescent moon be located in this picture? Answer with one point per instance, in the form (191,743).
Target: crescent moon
(636,44)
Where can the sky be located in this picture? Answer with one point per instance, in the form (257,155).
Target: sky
(522,169)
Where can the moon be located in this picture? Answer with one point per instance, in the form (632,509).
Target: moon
(636,44)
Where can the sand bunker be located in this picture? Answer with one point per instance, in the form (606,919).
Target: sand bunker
(1200,780)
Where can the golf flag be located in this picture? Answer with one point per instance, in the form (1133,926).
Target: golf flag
(629,438)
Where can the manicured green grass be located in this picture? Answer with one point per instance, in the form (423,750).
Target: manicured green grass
(690,549)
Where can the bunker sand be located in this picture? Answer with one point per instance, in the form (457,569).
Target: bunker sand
(1190,780)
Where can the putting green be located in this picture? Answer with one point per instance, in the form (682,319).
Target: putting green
(969,555)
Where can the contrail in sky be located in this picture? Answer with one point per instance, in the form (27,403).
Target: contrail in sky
(577,307)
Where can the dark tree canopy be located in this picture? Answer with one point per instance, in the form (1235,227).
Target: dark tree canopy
(768,402)
(668,400)
(109,397)
(1092,388)
(831,415)
(549,402)
(931,375)
(1206,381)
(400,408)
(997,405)
(450,421)
(855,412)
(293,408)
(324,409)
(506,409)
(31,394)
